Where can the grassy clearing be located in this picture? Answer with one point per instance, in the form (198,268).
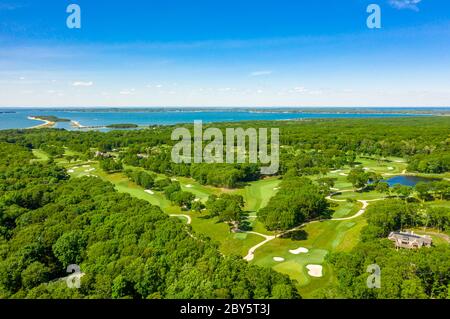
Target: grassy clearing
(200,191)
(40,155)
(440,203)
(320,238)
(360,195)
(345,209)
(229,243)
(394,166)
(257,194)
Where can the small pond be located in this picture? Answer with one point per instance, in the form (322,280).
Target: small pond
(409,180)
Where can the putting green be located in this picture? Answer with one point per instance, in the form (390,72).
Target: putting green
(320,238)
(345,209)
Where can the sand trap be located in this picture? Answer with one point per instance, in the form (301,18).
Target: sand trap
(70,171)
(336,171)
(174,180)
(314,270)
(149,192)
(276,188)
(75,167)
(343,174)
(86,166)
(390,168)
(366,168)
(278,259)
(300,250)
(189,186)
(197,200)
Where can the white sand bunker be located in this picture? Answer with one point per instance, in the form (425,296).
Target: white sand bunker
(189,186)
(174,179)
(86,166)
(70,171)
(390,168)
(276,188)
(197,200)
(343,174)
(278,259)
(148,191)
(314,270)
(298,251)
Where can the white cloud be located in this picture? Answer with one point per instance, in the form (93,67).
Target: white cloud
(405,4)
(300,89)
(261,73)
(127,92)
(81,83)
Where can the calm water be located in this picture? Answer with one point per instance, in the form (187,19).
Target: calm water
(18,119)
(409,180)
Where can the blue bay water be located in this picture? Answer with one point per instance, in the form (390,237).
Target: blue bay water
(18,119)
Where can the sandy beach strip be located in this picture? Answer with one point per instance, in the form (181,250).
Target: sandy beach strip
(46,124)
(77,124)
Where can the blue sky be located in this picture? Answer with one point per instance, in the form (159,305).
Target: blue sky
(225,53)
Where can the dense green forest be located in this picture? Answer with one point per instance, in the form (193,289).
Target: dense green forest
(125,247)
(307,147)
(128,248)
(406,274)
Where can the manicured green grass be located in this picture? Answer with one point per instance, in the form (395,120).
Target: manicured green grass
(229,243)
(440,203)
(360,195)
(40,155)
(257,194)
(200,191)
(320,238)
(382,167)
(345,209)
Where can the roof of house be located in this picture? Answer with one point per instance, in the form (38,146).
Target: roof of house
(411,237)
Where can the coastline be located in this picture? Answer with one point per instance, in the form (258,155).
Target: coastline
(46,124)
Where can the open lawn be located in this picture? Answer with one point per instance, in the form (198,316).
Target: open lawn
(40,155)
(229,243)
(360,195)
(391,166)
(320,238)
(257,194)
(200,191)
(344,209)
